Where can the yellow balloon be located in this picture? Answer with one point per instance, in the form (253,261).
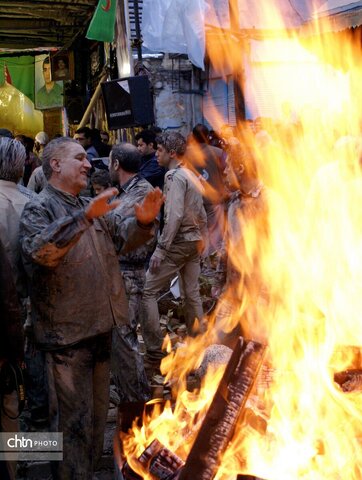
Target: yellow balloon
(17,112)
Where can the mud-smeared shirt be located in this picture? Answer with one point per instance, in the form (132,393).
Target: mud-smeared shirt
(185,216)
(77,291)
(132,192)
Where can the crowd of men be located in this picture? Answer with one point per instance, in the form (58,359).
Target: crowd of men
(90,235)
(80,273)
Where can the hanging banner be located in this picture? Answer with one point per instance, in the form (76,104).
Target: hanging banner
(101,27)
(20,70)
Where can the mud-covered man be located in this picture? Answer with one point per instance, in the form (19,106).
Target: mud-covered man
(70,250)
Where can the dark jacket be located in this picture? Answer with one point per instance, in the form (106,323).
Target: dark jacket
(151,171)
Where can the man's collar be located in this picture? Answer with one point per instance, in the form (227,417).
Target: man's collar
(8,183)
(149,156)
(175,163)
(129,184)
(68,197)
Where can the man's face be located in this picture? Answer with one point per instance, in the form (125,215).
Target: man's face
(163,156)
(112,171)
(144,148)
(47,73)
(98,188)
(82,140)
(104,138)
(73,168)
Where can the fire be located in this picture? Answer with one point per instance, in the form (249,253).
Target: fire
(174,427)
(301,277)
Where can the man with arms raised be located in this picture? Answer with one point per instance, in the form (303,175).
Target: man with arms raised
(77,294)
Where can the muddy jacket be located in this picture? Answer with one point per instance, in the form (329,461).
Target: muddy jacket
(77,291)
(37,180)
(132,192)
(185,216)
(13,198)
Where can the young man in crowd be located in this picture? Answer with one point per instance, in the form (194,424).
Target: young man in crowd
(179,246)
(240,281)
(37,179)
(84,137)
(150,168)
(100,181)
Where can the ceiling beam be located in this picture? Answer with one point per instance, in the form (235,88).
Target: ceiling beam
(90,4)
(20,24)
(38,23)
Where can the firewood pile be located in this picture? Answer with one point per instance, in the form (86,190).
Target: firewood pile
(212,439)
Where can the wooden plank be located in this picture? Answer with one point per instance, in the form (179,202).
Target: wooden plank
(228,403)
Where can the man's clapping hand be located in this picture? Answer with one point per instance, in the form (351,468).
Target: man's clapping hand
(102,204)
(148,210)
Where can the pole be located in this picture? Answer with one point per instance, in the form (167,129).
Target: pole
(92,102)
(238,74)
(138,30)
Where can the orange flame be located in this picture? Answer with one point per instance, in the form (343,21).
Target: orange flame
(299,264)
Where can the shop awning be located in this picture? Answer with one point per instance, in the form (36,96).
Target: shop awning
(38,24)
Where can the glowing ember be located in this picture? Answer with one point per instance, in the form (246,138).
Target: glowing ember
(301,277)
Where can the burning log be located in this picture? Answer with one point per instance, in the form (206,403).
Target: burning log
(164,464)
(349,380)
(217,428)
(228,403)
(158,461)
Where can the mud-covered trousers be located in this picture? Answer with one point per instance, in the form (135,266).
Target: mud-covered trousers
(183,259)
(126,360)
(79,399)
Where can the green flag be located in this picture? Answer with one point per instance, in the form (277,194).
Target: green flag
(21,70)
(101,27)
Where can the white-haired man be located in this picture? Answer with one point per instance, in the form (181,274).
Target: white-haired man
(12,201)
(78,295)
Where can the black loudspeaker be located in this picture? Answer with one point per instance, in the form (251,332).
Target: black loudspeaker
(128,102)
(75,109)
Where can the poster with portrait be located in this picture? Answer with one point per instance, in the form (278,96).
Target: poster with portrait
(48,93)
(96,66)
(62,66)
